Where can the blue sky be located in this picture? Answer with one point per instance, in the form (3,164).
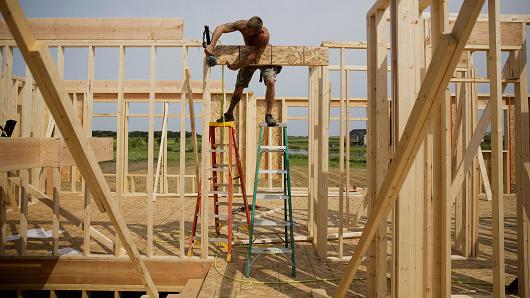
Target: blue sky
(289,22)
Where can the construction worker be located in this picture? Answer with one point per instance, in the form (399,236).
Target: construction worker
(257,36)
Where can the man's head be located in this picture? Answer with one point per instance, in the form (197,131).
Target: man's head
(255,24)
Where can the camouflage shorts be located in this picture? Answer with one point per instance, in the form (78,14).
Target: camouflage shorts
(245,74)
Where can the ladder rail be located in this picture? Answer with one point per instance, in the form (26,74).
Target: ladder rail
(252,214)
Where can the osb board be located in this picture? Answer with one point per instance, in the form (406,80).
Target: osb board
(511,34)
(102,29)
(274,55)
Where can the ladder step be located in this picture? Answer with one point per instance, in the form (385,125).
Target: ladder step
(272,171)
(271,250)
(271,196)
(271,223)
(234,204)
(211,239)
(217,150)
(219,145)
(226,184)
(218,239)
(273,148)
(263,124)
(222,169)
(221,216)
(219,193)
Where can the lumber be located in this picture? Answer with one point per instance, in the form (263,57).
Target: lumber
(484,174)
(3,215)
(436,80)
(205,159)
(98,29)
(189,97)
(522,158)
(72,218)
(96,273)
(494,74)
(150,151)
(40,62)
(510,34)
(274,55)
(378,145)
(26,153)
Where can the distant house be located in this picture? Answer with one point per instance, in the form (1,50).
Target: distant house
(358,137)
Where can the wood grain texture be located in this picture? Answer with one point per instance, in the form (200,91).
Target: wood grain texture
(274,55)
(102,29)
(510,34)
(95,273)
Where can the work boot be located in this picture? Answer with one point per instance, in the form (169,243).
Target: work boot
(226,118)
(269,120)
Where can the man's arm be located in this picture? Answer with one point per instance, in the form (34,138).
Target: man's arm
(251,57)
(219,30)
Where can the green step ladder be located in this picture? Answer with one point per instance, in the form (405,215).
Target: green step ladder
(284,195)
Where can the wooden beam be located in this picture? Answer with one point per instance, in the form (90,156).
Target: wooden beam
(25,153)
(522,158)
(205,160)
(274,55)
(40,62)
(189,98)
(72,218)
(101,273)
(494,74)
(510,34)
(436,80)
(102,29)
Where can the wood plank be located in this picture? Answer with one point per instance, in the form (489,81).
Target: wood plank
(72,218)
(494,74)
(3,215)
(205,160)
(102,29)
(96,273)
(103,149)
(274,55)
(189,98)
(522,157)
(25,153)
(436,80)
(510,34)
(40,62)
(56,219)
(150,151)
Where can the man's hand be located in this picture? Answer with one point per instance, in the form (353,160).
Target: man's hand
(209,50)
(232,66)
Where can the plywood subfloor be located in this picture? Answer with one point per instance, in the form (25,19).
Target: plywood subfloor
(271,274)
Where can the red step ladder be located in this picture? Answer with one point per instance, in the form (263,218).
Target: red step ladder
(222,190)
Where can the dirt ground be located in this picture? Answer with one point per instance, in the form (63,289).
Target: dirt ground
(270,273)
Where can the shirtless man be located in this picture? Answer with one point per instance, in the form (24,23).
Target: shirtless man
(257,36)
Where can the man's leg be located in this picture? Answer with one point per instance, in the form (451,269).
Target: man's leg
(236,97)
(269,100)
(243,78)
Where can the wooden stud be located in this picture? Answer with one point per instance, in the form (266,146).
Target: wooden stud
(437,77)
(522,137)
(150,152)
(121,135)
(40,62)
(321,207)
(205,161)
(3,215)
(341,157)
(56,205)
(494,74)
